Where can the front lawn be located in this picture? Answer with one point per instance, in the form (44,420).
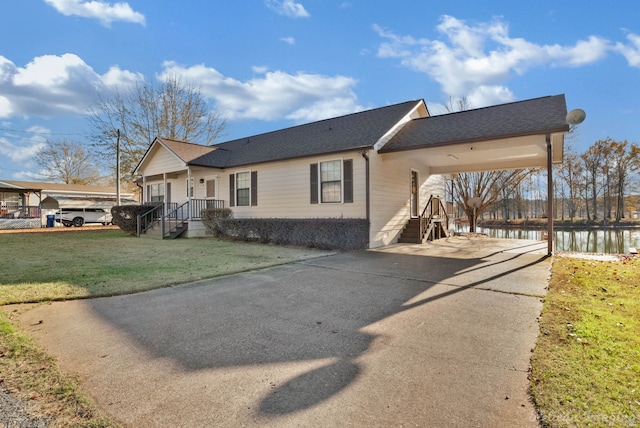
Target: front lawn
(586,365)
(41,267)
(38,267)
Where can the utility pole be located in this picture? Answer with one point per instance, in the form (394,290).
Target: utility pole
(118,168)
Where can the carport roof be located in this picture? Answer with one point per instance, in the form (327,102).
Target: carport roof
(538,116)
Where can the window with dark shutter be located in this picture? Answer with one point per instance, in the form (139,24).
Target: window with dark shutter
(314,183)
(347,170)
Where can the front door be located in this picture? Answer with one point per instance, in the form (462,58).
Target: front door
(414,194)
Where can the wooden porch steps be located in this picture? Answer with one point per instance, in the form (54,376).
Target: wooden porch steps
(411,232)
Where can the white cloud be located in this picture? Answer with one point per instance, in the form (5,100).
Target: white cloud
(51,85)
(20,150)
(477,60)
(288,8)
(272,95)
(289,40)
(630,51)
(104,12)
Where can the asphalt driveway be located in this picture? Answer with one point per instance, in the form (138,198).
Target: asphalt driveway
(437,335)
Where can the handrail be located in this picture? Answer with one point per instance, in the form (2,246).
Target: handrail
(175,219)
(431,213)
(145,221)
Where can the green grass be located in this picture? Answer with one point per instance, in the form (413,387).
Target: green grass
(39,267)
(586,365)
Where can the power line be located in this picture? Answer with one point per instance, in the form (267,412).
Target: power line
(36,132)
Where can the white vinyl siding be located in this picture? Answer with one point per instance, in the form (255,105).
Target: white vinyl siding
(161,161)
(284,191)
(390,194)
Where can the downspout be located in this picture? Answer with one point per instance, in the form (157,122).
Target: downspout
(367,197)
(549,196)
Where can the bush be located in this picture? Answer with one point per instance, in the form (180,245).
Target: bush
(126,216)
(210,217)
(323,233)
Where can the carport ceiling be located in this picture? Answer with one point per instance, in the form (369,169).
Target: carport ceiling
(507,136)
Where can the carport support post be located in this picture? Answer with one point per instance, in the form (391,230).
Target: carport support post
(549,197)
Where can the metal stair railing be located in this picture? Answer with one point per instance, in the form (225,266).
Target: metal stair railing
(145,221)
(174,220)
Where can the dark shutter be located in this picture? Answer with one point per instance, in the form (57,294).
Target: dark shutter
(347,170)
(314,183)
(232,190)
(147,197)
(254,188)
(168,195)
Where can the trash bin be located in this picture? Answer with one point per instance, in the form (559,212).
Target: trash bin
(51,220)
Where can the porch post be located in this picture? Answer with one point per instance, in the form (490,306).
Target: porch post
(189,195)
(549,196)
(166,202)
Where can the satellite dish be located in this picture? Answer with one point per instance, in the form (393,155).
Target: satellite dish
(576,116)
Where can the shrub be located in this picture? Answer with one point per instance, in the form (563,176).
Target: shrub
(126,216)
(210,217)
(323,233)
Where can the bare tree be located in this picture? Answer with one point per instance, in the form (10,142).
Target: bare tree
(626,160)
(172,109)
(458,104)
(68,162)
(487,186)
(592,160)
(570,173)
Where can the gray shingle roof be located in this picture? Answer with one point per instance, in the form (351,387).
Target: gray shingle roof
(536,116)
(350,132)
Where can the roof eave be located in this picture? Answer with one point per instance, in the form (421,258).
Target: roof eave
(562,129)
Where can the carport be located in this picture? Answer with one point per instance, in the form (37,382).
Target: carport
(526,134)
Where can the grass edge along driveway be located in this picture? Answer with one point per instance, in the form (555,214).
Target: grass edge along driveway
(586,364)
(41,267)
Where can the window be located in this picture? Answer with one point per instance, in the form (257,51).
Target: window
(243,189)
(332,182)
(190,188)
(156,192)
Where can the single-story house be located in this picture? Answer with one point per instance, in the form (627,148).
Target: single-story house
(383,165)
(23,200)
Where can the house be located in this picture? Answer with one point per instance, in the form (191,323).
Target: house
(383,165)
(21,201)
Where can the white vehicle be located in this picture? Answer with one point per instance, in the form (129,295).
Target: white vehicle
(79,216)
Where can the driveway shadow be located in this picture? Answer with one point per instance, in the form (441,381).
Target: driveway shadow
(306,311)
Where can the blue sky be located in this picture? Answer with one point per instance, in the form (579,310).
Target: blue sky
(269,64)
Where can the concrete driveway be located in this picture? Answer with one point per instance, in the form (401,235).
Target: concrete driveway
(432,336)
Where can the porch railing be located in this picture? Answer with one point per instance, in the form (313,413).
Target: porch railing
(197,205)
(176,217)
(434,220)
(19,211)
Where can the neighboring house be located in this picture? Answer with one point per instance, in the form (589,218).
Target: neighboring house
(382,165)
(23,200)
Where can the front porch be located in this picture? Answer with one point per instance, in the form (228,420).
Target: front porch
(171,220)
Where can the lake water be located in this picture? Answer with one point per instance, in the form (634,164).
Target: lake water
(584,241)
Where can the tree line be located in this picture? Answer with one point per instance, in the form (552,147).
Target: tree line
(597,185)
